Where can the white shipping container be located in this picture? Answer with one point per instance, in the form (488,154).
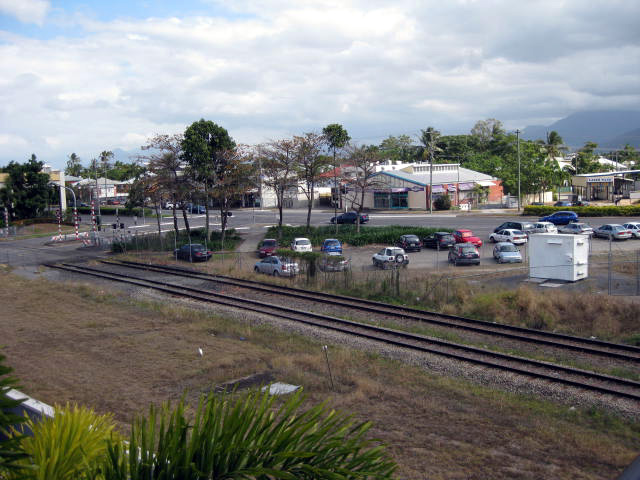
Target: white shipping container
(559,256)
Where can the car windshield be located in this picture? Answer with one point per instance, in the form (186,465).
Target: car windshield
(411,238)
(617,228)
(468,249)
(517,232)
(332,243)
(197,248)
(465,234)
(447,237)
(304,241)
(269,243)
(508,248)
(526,226)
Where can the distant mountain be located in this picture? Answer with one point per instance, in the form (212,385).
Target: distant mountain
(609,129)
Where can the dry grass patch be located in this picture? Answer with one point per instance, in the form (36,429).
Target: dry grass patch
(100,348)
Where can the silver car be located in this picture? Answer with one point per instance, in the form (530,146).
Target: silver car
(506,252)
(544,227)
(634,227)
(277,266)
(612,231)
(576,229)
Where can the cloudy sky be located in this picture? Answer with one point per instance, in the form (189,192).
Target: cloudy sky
(86,76)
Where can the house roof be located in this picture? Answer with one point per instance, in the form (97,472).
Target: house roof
(448,177)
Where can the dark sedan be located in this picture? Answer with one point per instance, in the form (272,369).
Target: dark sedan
(410,243)
(193,253)
(464,254)
(561,218)
(439,240)
(350,217)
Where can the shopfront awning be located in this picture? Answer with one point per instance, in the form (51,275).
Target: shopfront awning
(438,189)
(466,186)
(451,188)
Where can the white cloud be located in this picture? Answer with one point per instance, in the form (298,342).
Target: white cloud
(27,11)
(281,69)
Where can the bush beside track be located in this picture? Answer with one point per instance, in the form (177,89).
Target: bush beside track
(604,211)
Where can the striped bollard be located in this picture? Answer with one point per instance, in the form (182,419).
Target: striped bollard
(59,215)
(75,220)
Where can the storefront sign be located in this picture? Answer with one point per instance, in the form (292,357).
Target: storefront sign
(599,179)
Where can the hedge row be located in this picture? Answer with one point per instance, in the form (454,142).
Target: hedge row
(168,241)
(604,211)
(348,234)
(122,211)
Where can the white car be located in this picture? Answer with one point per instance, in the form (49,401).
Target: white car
(390,256)
(634,227)
(516,237)
(301,244)
(545,227)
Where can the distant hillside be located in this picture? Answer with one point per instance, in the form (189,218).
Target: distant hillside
(609,129)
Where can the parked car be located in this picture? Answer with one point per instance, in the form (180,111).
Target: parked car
(350,217)
(613,231)
(516,237)
(464,254)
(197,209)
(506,252)
(301,244)
(333,263)
(410,243)
(576,228)
(466,236)
(544,227)
(192,253)
(562,217)
(331,246)
(526,227)
(562,203)
(439,240)
(113,201)
(390,256)
(581,203)
(267,247)
(277,266)
(634,227)
(83,204)
(537,203)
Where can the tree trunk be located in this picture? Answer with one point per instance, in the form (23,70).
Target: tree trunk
(186,222)
(175,218)
(309,207)
(158,217)
(223,221)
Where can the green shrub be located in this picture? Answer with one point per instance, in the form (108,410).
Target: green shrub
(591,211)
(169,241)
(443,202)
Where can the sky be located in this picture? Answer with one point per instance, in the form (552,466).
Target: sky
(87,76)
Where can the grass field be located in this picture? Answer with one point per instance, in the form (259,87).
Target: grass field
(118,352)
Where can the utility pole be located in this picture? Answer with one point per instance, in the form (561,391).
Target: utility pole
(518,141)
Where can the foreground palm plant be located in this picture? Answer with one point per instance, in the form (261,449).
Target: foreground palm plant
(247,438)
(71,445)
(10,453)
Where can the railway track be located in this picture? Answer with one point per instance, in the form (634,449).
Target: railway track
(627,353)
(580,379)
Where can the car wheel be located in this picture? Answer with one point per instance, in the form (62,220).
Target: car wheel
(256,269)
(492,238)
(399,258)
(275,273)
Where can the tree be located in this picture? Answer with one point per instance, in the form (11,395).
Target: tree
(362,163)
(74,166)
(235,180)
(26,191)
(202,147)
(125,171)
(486,130)
(278,164)
(310,164)
(585,159)
(106,156)
(336,137)
(397,149)
(165,173)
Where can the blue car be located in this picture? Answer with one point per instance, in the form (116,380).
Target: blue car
(561,218)
(331,246)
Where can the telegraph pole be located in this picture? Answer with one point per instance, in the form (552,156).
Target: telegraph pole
(518,141)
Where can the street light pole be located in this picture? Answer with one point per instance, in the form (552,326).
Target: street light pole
(518,142)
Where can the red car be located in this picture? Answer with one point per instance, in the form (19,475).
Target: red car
(268,247)
(466,236)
